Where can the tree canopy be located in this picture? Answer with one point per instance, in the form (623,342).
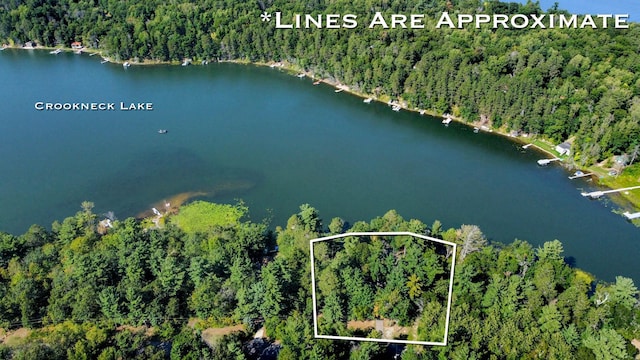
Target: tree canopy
(578,84)
(129,292)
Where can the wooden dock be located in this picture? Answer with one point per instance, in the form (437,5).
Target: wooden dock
(543,162)
(631,216)
(597,194)
(579,176)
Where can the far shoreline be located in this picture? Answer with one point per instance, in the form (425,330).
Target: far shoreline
(598,171)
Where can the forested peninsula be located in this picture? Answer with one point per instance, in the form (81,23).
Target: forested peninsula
(581,85)
(208,283)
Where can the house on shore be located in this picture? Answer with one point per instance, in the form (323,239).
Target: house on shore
(76,45)
(622,160)
(564,148)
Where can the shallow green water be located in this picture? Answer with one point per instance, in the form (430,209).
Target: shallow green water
(276,142)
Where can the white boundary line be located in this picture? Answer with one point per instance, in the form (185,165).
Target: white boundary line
(402,233)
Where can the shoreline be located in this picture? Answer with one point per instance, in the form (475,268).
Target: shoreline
(598,171)
(621,199)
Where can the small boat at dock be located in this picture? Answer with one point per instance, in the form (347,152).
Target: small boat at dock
(579,174)
(422,112)
(476,130)
(543,162)
(338,90)
(126,64)
(446,121)
(367,100)
(104,61)
(301,75)
(55,52)
(396,108)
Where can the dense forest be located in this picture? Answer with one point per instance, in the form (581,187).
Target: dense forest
(559,84)
(400,281)
(90,289)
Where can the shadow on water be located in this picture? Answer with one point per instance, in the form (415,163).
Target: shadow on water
(571,261)
(161,176)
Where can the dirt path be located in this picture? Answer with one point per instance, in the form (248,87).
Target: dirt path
(636,343)
(13,337)
(209,335)
(390,330)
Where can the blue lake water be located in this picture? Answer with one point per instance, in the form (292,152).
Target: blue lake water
(276,141)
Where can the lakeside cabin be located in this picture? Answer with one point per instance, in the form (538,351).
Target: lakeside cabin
(564,148)
(76,45)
